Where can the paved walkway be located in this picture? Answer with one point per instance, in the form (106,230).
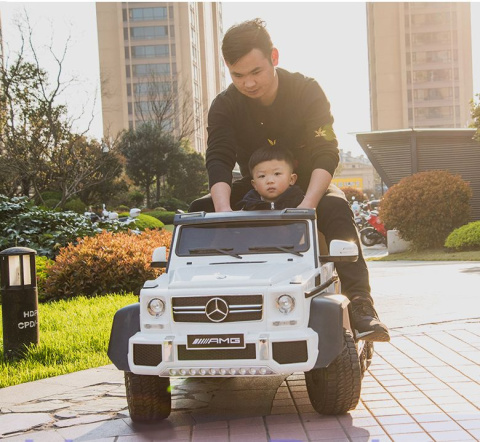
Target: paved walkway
(422,386)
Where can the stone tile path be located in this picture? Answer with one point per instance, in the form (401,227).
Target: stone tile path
(422,386)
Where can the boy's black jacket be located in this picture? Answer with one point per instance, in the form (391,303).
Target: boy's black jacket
(291,198)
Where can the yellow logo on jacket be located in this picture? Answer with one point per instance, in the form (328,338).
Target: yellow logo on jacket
(326,132)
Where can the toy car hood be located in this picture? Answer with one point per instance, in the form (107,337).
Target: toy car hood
(255,274)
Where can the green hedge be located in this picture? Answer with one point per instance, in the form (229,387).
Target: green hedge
(466,237)
(143,221)
(163,215)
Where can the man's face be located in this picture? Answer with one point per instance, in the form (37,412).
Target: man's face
(272,178)
(255,77)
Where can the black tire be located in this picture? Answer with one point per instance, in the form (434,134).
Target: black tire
(336,388)
(148,397)
(368,237)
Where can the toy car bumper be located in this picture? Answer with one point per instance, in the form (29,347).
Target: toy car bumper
(223,355)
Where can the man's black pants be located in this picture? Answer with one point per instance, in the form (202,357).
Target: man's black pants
(334,219)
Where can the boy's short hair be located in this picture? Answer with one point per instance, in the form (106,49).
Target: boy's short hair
(269,153)
(241,38)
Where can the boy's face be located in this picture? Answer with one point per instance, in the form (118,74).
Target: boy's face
(272,178)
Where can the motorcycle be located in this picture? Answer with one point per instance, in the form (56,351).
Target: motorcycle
(375,232)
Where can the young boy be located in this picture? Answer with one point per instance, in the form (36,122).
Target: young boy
(273,181)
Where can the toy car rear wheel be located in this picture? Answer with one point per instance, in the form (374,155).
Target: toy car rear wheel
(148,397)
(336,388)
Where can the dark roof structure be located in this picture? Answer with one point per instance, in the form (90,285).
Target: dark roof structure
(397,154)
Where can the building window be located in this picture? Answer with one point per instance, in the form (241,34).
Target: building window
(152,88)
(437,18)
(139,14)
(145,70)
(433,112)
(424,38)
(148,32)
(150,51)
(440,93)
(430,57)
(431,75)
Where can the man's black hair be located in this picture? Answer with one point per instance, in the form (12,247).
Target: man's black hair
(240,39)
(269,153)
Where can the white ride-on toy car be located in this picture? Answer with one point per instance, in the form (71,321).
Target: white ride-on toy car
(243,294)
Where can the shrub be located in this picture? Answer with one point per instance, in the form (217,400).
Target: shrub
(164,216)
(426,207)
(143,221)
(75,205)
(352,192)
(53,195)
(41,265)
(171,204)
(107,263)
(25,225)
(466,237)
(46,231)
(136,197)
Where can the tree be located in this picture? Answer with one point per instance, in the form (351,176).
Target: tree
(146,151)
(40,150)
(158,100)
(187,177)
(475,112)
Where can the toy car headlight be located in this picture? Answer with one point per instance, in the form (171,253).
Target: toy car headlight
(156,307)
(285,304)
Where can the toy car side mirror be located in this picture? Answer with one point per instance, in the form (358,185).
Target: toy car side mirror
(341,251)
(159,258)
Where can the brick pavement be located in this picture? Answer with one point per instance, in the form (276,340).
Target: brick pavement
(422,386)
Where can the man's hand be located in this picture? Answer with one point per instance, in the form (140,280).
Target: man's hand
(319,182)
(221,197)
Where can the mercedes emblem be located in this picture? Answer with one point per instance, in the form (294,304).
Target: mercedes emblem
(216,309)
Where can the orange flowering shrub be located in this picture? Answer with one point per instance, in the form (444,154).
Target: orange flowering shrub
(426,207)
(106,263)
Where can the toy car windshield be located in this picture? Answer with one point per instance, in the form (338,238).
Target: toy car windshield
(239,238)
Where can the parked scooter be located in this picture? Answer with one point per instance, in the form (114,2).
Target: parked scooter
(359,214)
(375,233)
(113,218)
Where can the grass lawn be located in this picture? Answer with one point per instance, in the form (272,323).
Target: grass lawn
(431,255)
(73,336)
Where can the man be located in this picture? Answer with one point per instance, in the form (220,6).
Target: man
(266,104)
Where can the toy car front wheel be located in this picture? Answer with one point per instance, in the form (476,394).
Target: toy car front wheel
(336,388)
(148,397)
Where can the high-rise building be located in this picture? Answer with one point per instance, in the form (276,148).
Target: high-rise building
(420,58)
(160,62)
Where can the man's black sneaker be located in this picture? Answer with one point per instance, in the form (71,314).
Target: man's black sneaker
(366,323)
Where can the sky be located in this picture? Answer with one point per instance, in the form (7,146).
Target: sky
(324,40)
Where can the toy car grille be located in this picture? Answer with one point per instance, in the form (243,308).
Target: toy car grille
(218,308)
(290,352)
(203,355)
(149,355)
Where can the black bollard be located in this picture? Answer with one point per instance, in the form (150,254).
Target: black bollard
(19,301)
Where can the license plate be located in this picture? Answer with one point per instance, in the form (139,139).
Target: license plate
(215,341)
